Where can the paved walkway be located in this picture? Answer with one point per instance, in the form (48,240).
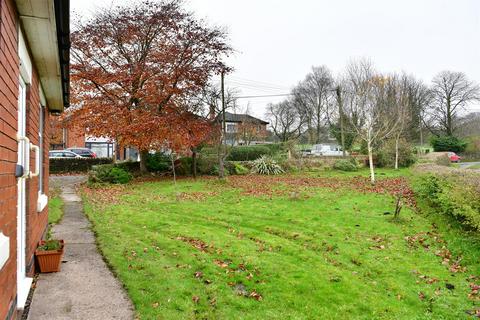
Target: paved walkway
(84,288)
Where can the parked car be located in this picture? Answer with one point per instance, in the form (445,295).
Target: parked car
(454,157)
(57,154)
(327,150)
(306,152)
(83,152)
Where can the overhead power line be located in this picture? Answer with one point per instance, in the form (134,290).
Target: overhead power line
(265,96)
(257,83)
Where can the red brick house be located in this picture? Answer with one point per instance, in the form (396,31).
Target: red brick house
(34,82)
(66,134)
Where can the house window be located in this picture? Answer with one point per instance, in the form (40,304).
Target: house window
(230,127)
(102,149)
(42,200)
(41,128)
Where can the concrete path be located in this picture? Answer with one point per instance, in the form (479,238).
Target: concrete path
(84,288)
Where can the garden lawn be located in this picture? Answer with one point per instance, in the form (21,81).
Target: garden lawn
(55,207)
(279,248)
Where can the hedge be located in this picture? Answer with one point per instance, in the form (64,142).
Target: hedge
(455,194)
(448,143)
(248,153)
(76,165)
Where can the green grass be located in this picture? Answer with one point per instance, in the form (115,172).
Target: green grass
(475,167)
(323,254)
(55,207)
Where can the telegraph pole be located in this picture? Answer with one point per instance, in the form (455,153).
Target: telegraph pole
(340,112)
(221,167)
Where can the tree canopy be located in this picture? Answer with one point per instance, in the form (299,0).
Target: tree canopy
(135,68)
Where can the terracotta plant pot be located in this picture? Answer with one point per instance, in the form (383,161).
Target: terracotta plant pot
(49,261)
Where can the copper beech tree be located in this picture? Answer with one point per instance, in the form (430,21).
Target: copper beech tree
(134,68)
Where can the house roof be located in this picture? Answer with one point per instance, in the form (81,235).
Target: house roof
(238,118)
(46,24)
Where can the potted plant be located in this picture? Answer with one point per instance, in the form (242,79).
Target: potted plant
(49,255)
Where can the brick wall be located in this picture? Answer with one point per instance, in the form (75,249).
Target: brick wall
(75,136)
(72,136)
(36,221)
(9,71)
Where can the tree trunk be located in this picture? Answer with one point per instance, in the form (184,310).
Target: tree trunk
(172,158)
(370,160)
(396,152)
(449,119)
(221,166)
(340,113)
(421,135)
(194,163)
(143,161)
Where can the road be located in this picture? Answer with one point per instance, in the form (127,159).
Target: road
(465,165)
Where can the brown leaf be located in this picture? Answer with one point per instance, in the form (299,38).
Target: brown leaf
(220,263)
(421,295)
(255,295)
(195,299)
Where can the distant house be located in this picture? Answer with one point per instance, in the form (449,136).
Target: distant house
(243,129)
(64,134)
(34,84)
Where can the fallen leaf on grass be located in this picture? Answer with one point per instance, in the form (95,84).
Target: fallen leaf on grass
(213,302)
(195,299)
(421,296)
(255,295)
(220,263)
(155,305)
(198,274)
(475,291)
(196,243)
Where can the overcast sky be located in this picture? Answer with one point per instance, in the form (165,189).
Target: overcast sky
(278,41)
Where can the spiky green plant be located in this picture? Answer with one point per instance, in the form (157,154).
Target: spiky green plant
(266,165)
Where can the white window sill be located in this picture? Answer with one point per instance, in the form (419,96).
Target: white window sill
(42,202)
(4,249)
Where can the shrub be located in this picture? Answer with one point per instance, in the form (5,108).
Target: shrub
(443,160)
(158,162)
(237,169)
(129,166)
(472,151)
(386,154)
(448,143)
(345,165)
(183,166)
(108,173)
(206,164)
(274,147)
(266,165)
(248,153)
(456,195)
(75,165)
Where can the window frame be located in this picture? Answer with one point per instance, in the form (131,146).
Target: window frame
(42,196)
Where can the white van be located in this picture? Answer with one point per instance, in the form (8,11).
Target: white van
(327,150)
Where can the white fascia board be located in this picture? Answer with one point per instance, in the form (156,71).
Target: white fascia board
(99,139)
(40,36)
(25,61)
(43,100)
